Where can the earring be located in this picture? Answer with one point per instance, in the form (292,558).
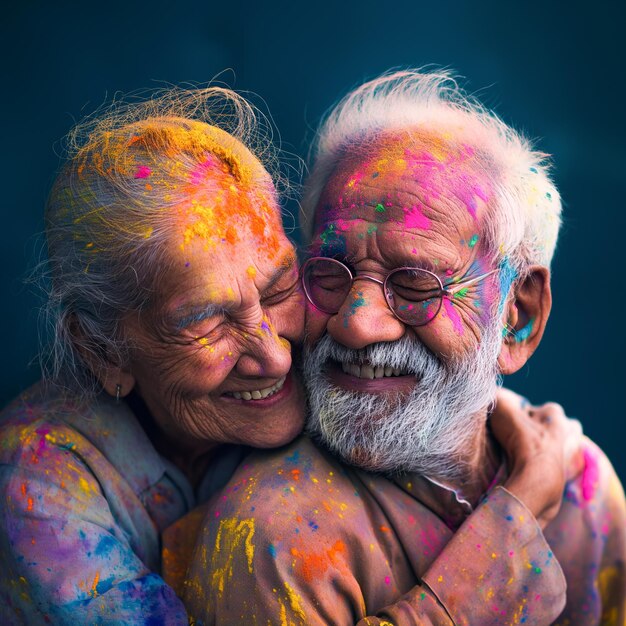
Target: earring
(118,391)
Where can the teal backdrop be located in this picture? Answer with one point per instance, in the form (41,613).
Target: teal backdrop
(552,69)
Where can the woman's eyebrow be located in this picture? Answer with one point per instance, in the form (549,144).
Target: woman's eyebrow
(285,265)
(190,314)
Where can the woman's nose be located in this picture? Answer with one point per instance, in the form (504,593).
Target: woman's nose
(266,353)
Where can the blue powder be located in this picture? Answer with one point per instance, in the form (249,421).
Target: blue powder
(104,546)
(507,277)
(524,333)
(357,302)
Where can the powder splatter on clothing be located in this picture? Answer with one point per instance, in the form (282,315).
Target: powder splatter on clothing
(403,551)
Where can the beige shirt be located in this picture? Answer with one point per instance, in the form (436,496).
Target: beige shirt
(298,538)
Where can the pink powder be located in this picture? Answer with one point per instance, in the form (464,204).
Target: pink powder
(143,171)
(201,171)
(590,475)
(451,312)
(414,218)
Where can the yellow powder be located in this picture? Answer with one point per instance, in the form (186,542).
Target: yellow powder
(233,536)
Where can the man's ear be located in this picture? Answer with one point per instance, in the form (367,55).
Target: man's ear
(525,317)
(115,379)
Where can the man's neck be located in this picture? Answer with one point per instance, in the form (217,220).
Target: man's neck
(480,466)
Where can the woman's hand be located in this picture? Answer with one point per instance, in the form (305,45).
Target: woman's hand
(543,448)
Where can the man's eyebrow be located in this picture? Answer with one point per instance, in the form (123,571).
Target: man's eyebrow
(192,313)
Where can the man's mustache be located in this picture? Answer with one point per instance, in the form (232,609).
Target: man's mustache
(401,354)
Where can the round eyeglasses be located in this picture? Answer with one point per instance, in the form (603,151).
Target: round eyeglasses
(413,294)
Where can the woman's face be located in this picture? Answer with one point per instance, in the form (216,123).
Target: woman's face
(212,358)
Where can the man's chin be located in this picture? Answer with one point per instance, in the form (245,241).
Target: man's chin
(355,456)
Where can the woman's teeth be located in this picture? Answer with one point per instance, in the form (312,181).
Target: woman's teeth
(260,394)
(367,371)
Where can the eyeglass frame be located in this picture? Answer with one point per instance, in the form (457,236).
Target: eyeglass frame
(444,291)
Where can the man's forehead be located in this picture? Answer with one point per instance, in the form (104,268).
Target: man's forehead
(402,160)
(414,180)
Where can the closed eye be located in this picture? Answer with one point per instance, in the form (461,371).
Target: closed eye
(279,296)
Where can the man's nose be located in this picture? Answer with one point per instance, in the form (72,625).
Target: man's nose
(364,317)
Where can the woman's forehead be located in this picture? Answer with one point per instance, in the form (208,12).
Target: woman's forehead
(224,276)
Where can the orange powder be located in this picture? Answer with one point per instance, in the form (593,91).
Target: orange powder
(314,564)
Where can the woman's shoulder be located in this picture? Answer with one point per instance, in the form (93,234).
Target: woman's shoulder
(35,412)
(43,418)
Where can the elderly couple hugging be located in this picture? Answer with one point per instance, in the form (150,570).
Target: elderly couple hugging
(158,475)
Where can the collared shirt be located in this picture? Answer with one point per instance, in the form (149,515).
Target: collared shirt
(84,497)
(298,538)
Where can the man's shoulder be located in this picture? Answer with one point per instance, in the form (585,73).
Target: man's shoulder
(292,493)
(597,485)
(298,473)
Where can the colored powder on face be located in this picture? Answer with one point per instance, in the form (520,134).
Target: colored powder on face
(507,277)
(357,301)
(332,242)
(379,208)
(461,292)
(414,218)
(473,241)
(251,271)
(453,315)
(266,327)
(590,476)
(143,171)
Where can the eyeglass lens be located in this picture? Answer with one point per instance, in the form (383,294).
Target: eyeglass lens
(413,294)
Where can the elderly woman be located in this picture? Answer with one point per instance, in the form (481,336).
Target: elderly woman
(176,306)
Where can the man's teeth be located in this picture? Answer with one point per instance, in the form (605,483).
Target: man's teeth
(259,394)
(367,371)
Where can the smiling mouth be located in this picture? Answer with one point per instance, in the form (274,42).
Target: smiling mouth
(370,372)
(258,394)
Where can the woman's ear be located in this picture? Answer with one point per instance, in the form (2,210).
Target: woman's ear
(525,318)
(116,380)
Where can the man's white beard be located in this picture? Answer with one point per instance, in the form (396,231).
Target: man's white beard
(433,430)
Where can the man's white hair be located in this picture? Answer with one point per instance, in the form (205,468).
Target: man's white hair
(522,224)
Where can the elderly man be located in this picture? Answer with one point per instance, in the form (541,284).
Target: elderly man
(433,227)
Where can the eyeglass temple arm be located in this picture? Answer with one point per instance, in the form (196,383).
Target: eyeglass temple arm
(450,290)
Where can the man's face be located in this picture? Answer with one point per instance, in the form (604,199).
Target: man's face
(405,204)
(213,357)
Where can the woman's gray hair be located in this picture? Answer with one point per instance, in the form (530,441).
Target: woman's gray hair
(524,221)
(108,214)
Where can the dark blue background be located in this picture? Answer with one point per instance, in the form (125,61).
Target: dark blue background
(554,70)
